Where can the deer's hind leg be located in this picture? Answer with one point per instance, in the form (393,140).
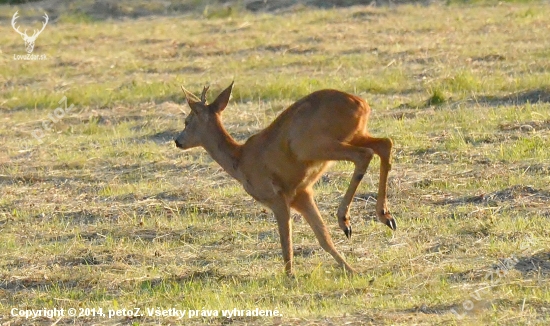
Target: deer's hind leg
(382,147)
(332,150)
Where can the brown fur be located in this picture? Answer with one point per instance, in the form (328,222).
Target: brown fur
(279,165)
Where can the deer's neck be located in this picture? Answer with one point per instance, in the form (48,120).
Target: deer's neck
(224,150)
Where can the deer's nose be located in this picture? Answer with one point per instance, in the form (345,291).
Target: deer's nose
(178,145)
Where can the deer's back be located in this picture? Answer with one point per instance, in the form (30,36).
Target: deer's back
(322,114)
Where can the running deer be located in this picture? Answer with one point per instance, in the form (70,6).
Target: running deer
(279,165)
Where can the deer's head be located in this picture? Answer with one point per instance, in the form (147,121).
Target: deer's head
(29,40)
(204,118)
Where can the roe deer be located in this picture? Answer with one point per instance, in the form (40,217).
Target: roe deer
(279,165)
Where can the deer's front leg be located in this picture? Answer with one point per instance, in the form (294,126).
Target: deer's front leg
(303,202)
(281,209)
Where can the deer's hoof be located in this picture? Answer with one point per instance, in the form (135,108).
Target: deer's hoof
(347,232)
(391,223)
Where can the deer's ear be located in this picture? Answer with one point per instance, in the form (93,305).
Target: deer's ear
(221,101)
(190,97)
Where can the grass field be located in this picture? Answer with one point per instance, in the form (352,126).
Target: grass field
(104,211)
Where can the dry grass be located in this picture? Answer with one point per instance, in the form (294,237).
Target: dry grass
(107,213)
